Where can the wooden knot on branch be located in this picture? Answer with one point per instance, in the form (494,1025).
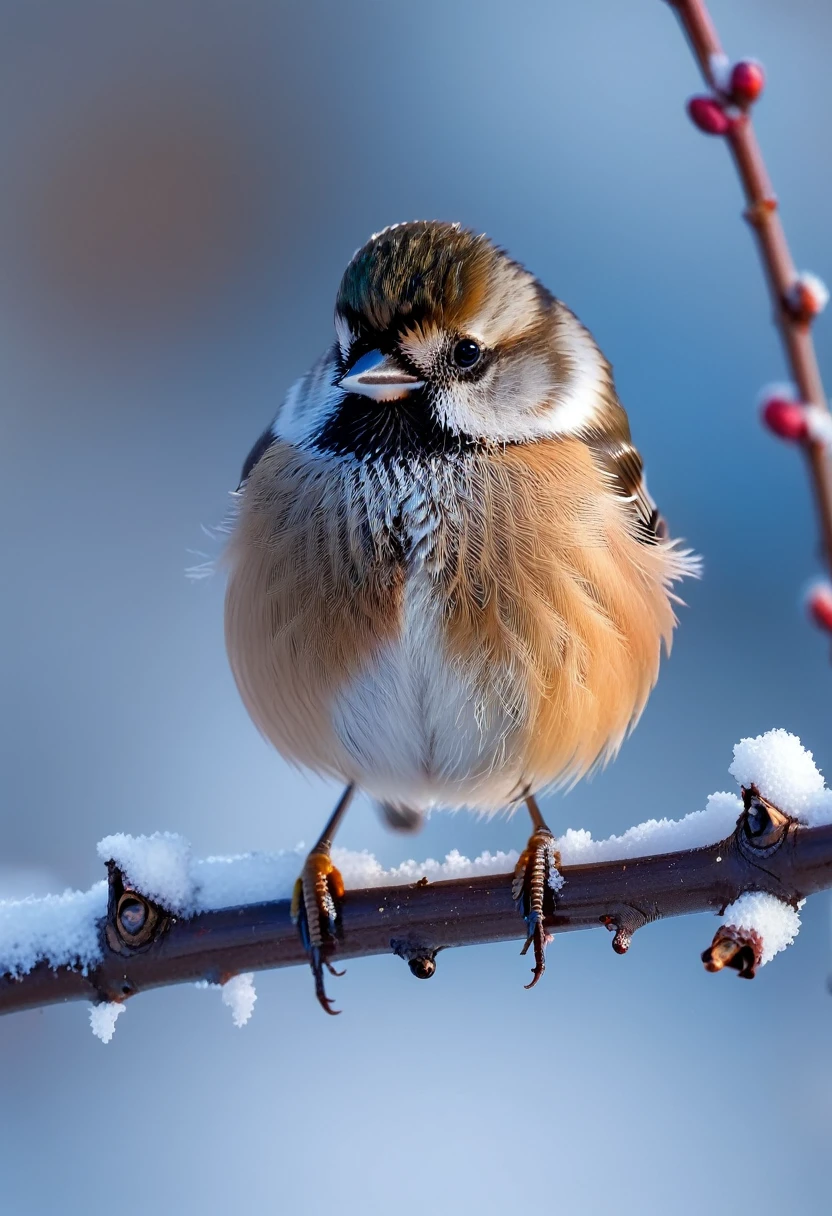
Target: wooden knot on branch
(761,831)
(134,922)
(762,828)
(760,212)
(420,959)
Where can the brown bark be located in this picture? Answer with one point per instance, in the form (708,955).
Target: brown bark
(765,853)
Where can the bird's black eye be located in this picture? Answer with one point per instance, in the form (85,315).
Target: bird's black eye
(466,353)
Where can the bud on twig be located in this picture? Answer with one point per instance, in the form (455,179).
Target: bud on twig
(746,82)
(785,418)
(709,115)
(739,949)
(807,297)
(819,605)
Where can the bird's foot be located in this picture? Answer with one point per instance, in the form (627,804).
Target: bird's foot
(316,910)
(536,878)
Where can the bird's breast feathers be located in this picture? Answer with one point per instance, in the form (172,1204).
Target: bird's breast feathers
(448,629)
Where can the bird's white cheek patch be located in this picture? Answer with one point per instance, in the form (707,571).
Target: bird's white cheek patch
(504,407)
(579,400)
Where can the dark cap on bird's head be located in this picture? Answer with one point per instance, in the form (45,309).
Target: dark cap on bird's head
(426,270)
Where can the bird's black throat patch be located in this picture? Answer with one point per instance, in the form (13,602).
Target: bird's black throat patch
(408,428)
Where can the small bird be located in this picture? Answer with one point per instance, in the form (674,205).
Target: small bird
(448,583)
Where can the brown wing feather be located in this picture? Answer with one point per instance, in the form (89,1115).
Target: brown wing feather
(621,460)
(624,463)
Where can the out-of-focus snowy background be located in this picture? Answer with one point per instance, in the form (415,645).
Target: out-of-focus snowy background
(183,184)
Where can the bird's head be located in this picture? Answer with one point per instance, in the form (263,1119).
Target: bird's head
(444,343)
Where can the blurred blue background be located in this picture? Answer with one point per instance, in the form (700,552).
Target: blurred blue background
(183,183)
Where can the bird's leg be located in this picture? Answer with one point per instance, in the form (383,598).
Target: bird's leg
(316,902)
(536,876)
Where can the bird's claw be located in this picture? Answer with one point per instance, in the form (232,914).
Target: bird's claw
(316,910)
(536,878)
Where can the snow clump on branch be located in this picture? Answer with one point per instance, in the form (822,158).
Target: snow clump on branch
(785,774)
(776,922)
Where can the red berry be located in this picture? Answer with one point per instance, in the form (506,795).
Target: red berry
(747,82)
(708,115)
(819,604)
(785,418)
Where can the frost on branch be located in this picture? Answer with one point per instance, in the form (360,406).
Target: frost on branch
(60,929)
(159,866)
(785,774)
(75,931)
(238,993)
(694,831)
(755,927)
(103,1019)
(64,929)
(776,922)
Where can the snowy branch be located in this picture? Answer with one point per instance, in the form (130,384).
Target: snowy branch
(797,298)
(164,918)
(417,920)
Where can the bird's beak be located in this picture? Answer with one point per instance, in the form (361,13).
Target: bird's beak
(380,377)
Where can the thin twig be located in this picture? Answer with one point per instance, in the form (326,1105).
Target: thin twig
(762,214)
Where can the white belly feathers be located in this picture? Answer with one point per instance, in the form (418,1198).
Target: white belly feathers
(417,727)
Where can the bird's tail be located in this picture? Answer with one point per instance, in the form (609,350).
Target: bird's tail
(400,818)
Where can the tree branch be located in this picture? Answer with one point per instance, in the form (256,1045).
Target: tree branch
(794,308)
(144,947)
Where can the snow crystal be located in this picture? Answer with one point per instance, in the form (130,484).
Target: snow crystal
(239,995)
(785,773)
(103,1019)
(556,879)
(819,424)
(776,922)
(62,929)
(694,831)
(721,68)
(159,866)
(225,882)
(363,869)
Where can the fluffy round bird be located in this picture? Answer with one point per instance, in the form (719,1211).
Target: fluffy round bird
(448,582)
